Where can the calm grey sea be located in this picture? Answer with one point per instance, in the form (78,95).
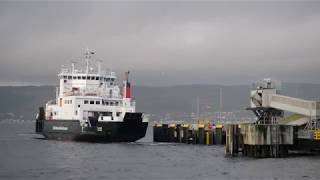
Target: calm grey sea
(24,156)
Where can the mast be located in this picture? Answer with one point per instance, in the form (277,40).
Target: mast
(99,67)
(87,60)
(72,64)
(88,54)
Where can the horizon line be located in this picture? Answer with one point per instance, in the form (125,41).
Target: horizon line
(39,84)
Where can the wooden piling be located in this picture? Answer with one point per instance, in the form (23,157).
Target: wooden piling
(171,133)
(218,136)
(201,134)
(259,141)
(185,132)
(178,133)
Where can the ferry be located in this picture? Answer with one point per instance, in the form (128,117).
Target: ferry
(91,106)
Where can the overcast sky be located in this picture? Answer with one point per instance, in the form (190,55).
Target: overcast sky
(164,43)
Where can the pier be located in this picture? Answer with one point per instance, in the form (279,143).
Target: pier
(188,133)
(272,135)
(259,140)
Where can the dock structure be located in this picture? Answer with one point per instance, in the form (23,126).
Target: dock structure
(259,140)
(270,136)
(267,137)
(189,133)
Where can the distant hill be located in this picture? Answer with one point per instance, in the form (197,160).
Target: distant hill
(24,101)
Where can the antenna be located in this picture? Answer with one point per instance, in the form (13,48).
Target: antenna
(87,56)
(126,77)
(99,66)
(73,65)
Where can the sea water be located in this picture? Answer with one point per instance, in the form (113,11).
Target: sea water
(25,155)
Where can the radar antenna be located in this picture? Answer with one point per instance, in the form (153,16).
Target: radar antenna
(88,54)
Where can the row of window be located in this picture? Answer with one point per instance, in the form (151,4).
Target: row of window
(104,102)
(67,101)
(89,78)
(110,114)
(55,113)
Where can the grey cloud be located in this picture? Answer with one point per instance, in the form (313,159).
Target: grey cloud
(164,43)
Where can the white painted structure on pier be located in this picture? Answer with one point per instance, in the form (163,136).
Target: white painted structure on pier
(265,97)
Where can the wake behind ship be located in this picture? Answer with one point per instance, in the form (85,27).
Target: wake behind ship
(90,106)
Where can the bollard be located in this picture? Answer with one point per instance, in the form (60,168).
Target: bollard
(208,137)
(207,140)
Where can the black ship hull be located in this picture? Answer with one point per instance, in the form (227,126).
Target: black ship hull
(131,129)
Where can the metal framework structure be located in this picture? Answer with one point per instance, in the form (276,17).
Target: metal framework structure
(268,105)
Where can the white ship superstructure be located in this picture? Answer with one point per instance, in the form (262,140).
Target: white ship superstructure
(83,92)
(90,95)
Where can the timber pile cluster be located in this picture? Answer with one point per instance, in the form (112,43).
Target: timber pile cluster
(189,133)
(259,140)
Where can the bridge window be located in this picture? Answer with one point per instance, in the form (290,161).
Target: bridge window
(64,77)
(79,77)
(91,102)
(74,77)
(69,77)
(88,77)
(107,103)
(83,77)
(68,101)
(118,114)
(97,78)
(117,103)
(86,102)
(92,77)
(111,103)
(97,102)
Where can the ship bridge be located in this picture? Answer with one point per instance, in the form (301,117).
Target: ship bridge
(88,80)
